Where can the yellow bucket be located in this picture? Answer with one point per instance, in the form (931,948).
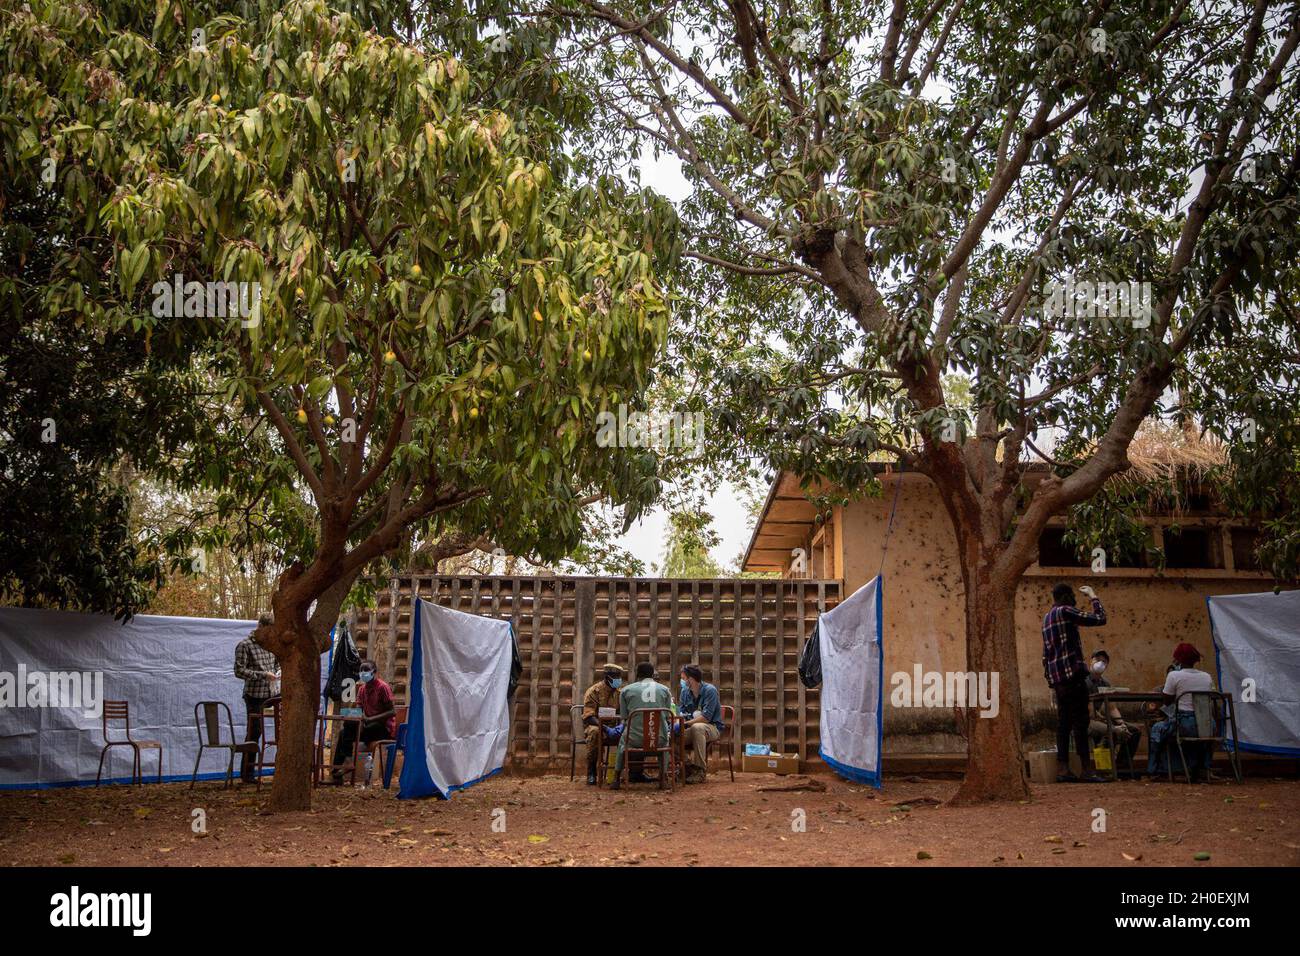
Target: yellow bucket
(1101,758)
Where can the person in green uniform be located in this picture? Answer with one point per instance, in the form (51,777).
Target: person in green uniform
(645,692)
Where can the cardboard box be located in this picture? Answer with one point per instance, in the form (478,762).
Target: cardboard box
(1042,765)
(772,763)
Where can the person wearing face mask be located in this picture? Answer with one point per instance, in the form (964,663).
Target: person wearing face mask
(378,721)
(603,693)
(1127,735)
(702,710)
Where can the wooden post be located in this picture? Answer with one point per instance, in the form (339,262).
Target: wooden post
(584,637)
(534,665)
(390,649)
(780,665)
(803,699)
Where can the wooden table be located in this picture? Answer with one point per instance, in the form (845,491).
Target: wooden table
(1126,697)
(318,777)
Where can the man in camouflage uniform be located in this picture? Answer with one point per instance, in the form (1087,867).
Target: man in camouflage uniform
(603,693)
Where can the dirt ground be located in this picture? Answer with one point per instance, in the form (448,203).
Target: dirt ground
(549,821)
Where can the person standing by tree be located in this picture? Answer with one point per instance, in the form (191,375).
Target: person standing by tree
(1067,675)
(257,668)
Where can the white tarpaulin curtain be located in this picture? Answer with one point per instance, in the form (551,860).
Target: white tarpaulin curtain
(459,717)
(1257,639)
(852,660)
(162,666)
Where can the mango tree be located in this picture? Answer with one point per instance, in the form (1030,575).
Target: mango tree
(420,319)
(1075,205)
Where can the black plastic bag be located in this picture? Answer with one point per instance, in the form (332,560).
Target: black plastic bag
(346,664)
(516,666)
(810,659)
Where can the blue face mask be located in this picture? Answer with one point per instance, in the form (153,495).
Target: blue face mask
(367,676)
(685,686)
(616,682)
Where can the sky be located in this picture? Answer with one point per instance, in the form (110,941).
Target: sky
(646,539)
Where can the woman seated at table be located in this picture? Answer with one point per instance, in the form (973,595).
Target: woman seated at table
(379,717)
(1185,678)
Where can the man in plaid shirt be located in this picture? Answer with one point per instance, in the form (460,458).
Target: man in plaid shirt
(257,668)
(1067,675)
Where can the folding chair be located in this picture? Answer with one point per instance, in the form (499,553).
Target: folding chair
(209,728)
(397,746)
(1214,713)
(579,732)
(725,739)
(656,724)
(115,710)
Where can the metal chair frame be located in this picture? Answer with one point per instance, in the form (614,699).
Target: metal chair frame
(212,740)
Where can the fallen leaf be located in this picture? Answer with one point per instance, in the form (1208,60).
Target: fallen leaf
(922,855)
(1130,857)
(537,838)
(1201,856)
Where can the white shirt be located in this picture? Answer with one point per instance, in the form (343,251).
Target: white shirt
(1187,679)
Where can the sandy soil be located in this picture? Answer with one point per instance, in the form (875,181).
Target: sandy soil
(549,821)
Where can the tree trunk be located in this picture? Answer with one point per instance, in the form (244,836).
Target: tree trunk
(300,689)
(995,766)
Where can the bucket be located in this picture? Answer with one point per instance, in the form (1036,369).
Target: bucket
(1101,758)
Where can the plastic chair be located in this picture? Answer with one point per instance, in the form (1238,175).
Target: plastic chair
(377,748)
(725,738)
(579,733)
(115,710)
(656,724)
(209,728)
(398,745)
(1213,712)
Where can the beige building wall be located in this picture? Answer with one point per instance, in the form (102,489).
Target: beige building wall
(1149,613)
